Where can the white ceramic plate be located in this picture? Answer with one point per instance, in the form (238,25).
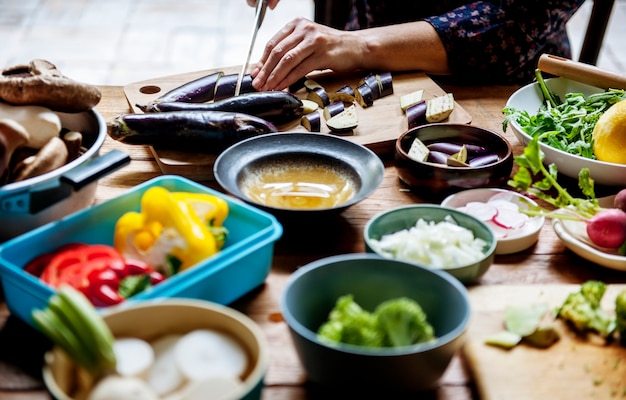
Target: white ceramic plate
(574,235)
(515,241)
(529,98)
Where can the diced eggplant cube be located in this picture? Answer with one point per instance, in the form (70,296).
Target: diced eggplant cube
(312,121)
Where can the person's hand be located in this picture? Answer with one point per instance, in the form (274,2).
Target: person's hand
(303,46)
(270,3)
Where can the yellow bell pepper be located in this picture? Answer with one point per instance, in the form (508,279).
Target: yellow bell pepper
(173,230)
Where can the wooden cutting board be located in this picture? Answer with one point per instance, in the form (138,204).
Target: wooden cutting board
(379,125)
(573,368)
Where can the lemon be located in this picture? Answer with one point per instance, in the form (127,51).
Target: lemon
(609,134)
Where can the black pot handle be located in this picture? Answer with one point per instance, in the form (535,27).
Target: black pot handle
(77,178)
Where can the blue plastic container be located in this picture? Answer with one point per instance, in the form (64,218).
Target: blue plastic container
(242,265)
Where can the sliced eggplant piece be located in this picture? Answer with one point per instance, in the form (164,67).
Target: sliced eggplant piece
(344,93)
(371,81)
(385,83)
(438,157)
(227,85)
(416,114)
(194,131)
(364,95)
(274,106)
(439,108)
(410,99)
(310,85)
(297,85)
(418,151)
(312,122)
(333,109)
(345,121)
(320,96)
(308,106)
(481,161)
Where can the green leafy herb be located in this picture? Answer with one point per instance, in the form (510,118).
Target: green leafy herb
(535,178)
(564,125)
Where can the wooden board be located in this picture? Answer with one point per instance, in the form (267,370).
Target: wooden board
(379,125)
(573,368)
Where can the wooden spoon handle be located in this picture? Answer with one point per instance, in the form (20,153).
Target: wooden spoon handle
(581,72)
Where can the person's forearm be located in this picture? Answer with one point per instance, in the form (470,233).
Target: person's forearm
(409,46)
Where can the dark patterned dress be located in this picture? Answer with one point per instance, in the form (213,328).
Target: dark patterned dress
(495,42)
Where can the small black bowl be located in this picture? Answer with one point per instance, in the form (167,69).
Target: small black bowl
(252,157)
(435,181)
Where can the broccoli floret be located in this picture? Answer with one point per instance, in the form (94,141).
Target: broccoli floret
(349,323)
(620,315)
(582,309)
(396,322)
(404,322)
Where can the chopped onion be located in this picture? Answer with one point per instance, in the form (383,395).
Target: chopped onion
(438,245)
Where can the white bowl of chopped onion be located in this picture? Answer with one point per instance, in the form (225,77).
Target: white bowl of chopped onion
(434,237)
(502,211)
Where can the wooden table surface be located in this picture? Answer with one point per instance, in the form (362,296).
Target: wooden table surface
(548,261)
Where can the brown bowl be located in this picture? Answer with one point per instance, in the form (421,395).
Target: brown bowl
(434,181)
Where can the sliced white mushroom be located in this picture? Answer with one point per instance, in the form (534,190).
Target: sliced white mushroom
(165,376)
(134,356)
(204,353)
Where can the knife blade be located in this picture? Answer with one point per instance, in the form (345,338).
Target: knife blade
(261,6)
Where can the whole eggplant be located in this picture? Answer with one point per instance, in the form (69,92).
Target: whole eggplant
(195,131)
(197,91)
(274,106)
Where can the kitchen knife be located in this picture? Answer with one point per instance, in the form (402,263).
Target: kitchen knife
(261,6)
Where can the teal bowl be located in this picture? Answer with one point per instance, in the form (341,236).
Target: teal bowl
(405,217)
(312,291)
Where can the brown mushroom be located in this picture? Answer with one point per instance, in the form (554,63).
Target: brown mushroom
(74,142)
(41,83)
(50,157)
(12,136)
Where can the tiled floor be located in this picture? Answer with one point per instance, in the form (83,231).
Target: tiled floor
(124,41)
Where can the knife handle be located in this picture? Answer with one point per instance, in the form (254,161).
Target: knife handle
(581,72)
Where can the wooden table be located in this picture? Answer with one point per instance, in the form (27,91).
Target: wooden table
(548,262)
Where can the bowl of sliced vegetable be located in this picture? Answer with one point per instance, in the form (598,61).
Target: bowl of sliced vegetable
(564,124)
(434,237)
(437,160)
(503,211)
(363,323)
(168,348)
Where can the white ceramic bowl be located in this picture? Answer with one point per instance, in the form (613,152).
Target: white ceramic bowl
(529,98)
(152,319)
(509,240)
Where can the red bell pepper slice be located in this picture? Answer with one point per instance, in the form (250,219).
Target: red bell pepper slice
(74,265)
(39,263)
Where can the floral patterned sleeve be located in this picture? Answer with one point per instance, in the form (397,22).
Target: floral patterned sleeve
(489,43)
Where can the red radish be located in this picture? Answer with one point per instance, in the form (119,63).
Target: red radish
(481,211)
(510,219)
(620,200)
(608,228)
